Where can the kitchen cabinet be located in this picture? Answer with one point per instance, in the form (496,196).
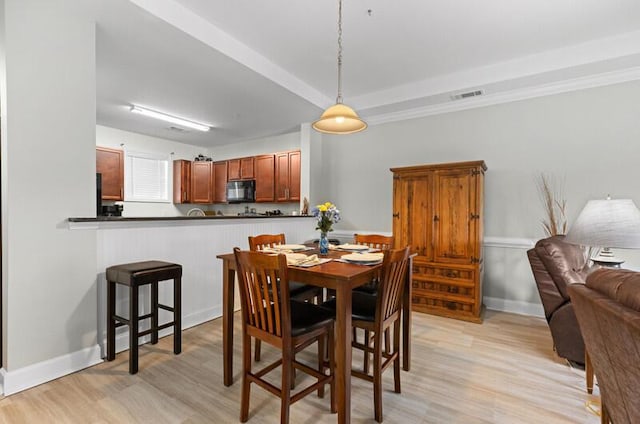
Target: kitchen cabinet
(181,181)
(438,211)
(287,176)
(265,178)
(110,163)
(220,182)
(202,182)
(241,169)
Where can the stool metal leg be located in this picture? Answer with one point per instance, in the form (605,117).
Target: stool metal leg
(177,315)
(133,329)
(154,312)
(111,324)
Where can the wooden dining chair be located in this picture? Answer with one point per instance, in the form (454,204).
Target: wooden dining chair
(298,291)
(376,314)
(375,241)
(381,242)
(270,315)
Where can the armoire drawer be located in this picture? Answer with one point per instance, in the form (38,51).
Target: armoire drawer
(444,290)
(455,275)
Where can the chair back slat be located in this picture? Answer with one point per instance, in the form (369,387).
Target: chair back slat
(375,241)
(394,267)
(264,291)
(261,241)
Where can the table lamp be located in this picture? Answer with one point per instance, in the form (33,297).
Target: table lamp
(605,224)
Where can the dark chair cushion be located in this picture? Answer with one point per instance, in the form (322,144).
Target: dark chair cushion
(296,289)
(306,317)
(363,306)
(369,288)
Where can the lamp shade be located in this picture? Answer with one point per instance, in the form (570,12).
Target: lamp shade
(607,223)
(339,119)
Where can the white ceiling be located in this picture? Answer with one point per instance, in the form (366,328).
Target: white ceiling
(256,68)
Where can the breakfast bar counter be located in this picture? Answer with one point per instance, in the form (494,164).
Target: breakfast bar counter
(183,218)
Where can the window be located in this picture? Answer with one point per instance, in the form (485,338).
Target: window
(146,177)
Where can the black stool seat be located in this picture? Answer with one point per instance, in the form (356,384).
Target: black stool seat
(135,275)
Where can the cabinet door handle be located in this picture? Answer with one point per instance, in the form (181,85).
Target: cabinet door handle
(121,193)
(396,215)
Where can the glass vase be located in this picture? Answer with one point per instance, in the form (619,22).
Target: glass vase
(324,243)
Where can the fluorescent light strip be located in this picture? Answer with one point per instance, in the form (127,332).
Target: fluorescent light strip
(173,119)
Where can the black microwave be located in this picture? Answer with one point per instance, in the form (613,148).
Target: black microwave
(241,191)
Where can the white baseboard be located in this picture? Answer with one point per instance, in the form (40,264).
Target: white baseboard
(41,372)
(513,306)
(33,375)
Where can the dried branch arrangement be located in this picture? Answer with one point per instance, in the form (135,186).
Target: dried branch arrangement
(555,222)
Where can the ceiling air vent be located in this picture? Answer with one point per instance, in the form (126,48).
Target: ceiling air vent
(467,94)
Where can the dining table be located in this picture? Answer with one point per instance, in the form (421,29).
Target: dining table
(341,277)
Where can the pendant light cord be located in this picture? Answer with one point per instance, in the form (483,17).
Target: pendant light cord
(339,98)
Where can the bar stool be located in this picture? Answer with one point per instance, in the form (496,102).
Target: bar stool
(135,275)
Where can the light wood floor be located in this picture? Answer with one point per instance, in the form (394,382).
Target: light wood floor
(503,371)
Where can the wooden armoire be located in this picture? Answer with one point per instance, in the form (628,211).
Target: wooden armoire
(438,211)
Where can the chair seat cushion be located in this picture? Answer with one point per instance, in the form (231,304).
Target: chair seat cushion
(306,317)
(363,306)
(296,289)
(369,288)
(143,272)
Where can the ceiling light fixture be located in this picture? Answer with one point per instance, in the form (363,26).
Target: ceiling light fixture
(169,118)
(339,118)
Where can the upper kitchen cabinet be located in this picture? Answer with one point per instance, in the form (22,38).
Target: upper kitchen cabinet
(202,180)
(110,163)
(220,181)
(265,178)
(181,181)
(287,179)
(241,169)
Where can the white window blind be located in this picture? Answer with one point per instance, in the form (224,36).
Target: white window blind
(146,177)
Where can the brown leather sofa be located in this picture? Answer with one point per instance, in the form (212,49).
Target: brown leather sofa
(608,310)
(556,265)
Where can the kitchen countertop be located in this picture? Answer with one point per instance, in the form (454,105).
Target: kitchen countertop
(181,218)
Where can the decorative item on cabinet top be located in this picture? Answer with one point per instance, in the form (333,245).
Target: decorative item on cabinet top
(201,157)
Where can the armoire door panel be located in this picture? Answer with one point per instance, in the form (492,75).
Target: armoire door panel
(412,223)
(455,210)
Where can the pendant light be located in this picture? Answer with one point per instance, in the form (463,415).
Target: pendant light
(339,118)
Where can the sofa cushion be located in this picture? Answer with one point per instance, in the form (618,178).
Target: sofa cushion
(620,285)
(565,262)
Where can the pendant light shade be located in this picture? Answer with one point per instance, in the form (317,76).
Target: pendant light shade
(339,118)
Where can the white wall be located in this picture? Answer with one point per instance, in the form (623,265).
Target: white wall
(259,146)
(48,167)
(129,141)
(589,138)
